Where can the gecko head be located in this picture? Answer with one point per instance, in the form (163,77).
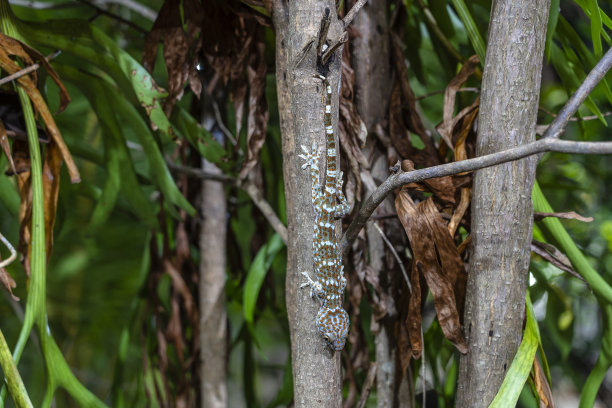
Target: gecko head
(333,326)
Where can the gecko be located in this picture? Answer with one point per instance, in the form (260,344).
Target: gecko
(332,321)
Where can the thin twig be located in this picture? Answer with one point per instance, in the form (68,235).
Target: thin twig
(399,179)
(201,174)
(394,252)
(557,127)
(323,30)
(27,69)
(220,123)
(466,89)
(117,17)
(251,189)
(266,209)
(353,12)
(4,263)
(330,50)
(367,385)
(574,118)
(429,18)
(548,143)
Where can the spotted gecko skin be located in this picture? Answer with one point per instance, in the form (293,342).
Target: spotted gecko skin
(332,321)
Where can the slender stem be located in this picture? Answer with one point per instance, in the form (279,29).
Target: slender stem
(353,12)
(12,377)
(27,70)
(13,255)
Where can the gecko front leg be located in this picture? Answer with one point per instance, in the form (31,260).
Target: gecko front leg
(316,289)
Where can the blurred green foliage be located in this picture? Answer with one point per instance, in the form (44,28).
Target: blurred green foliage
(95,277)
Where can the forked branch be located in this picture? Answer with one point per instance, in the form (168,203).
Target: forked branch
(548,143)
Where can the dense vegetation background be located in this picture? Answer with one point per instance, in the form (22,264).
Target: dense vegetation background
(122,294)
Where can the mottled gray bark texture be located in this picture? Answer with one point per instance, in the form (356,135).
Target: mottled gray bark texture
(317,376)
(501,203)
(370,51)
(213,318)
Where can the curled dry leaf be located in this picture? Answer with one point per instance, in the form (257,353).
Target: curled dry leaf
(448,121)
(550,253)
(461,137)
(51,181)
(257,120)
(6,147)
(11,47)
(429,156)
(541,385)
(352,131)
(8,282)
(179,48)
(571,215)
(436,258)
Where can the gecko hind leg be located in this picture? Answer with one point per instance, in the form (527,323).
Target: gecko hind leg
(342,208)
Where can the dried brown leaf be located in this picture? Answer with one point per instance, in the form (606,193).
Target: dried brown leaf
(460,210)
(9,47)
(448,122)
(399,134)
(429,154)
(461,151)
(571,215)
(352,131)
(179,48)
(51,181)
(8,282)
(258,107)
(29,55)
(542,386)
(550,253)
(437,259)
(6,147)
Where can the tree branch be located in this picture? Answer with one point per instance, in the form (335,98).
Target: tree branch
(27,69)
(352,12)
(401,178)
(250,188)
(548,143)
(557,127)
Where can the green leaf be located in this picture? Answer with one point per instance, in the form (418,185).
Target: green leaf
(570,74)
(160,174)
(472,30)
(120,170)
(517,374)
(200,138)
(257,273)
(597,283)
(9,196)
(595,27)
(553,18)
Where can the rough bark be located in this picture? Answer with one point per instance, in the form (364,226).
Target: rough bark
(316,370)
(370,51)
(501,202)
(213,318)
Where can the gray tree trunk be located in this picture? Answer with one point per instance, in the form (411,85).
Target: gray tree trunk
(213,317)
(371,56)
(317,377)
(501,203)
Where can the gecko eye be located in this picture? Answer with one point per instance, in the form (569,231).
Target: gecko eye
(326,338)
